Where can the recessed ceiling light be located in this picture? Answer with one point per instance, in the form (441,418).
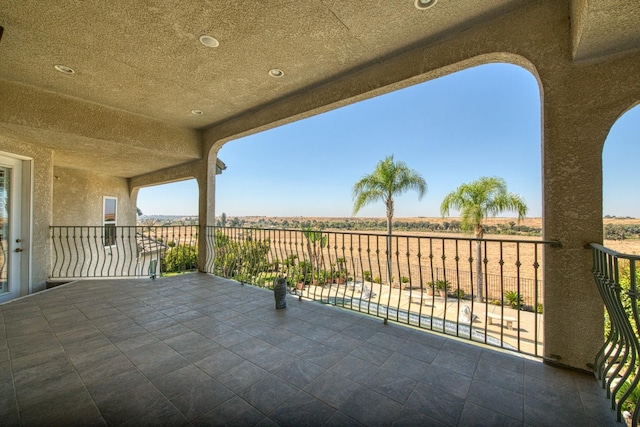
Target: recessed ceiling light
(276,72)
(64,69)
(197,112)
(209,41)
(425,4)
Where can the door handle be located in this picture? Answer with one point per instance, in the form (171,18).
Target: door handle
(18,250)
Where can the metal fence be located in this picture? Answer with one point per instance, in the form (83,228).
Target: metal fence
(486,290)
(497,285)
(136,251)
(616,364)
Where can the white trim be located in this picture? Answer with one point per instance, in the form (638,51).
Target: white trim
(14,261)
(27,223)
(104,203)
(14,156)
(104,221)
(27,220)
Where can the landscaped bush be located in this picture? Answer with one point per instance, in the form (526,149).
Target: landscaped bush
(367,275)
(513,299)
(181,258)
(240,259)
(266,279)
(442,285)
(459,293)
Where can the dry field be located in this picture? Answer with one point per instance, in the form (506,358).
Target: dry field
(508,265)
(422,257)
(184,235)
(509,262)
(628,246)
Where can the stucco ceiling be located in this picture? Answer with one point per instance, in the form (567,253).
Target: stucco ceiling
(140,69)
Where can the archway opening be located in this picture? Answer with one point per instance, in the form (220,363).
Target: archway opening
(174,203)
(167,230)
(621,173)
(482,121)
(288,197)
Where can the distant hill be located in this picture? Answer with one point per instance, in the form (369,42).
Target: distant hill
(167,220)
(615,228)
(527,227)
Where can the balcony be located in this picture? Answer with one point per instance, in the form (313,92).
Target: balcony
(488,290)
(203,350)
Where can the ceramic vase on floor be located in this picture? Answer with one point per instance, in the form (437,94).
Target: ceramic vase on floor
(280,293)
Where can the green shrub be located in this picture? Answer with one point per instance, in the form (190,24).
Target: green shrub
(377,279)
(290,261)
(181,258)
(459,293)
(240,259)
(513,299)
(442,285)
(404,279)
(266,279)
(624,278)
(321,276)
(630,403)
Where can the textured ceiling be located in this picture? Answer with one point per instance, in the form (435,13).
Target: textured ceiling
(141,62)
(605,27)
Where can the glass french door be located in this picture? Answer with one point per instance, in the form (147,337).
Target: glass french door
(10,239)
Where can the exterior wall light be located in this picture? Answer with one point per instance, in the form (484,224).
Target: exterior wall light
(425,4)
(209,41)
(64,69)
(276,72)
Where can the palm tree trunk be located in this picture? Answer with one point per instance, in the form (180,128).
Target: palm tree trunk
(479,277)
(389,260)
(311,260)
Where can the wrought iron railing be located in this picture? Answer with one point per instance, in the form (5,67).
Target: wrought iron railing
(137,251)
(616,364)
(436,283)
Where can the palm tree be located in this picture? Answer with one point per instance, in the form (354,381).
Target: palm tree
(487,196)
(315,240)
(388,179)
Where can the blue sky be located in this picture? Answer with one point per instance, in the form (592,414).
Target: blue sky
(483,121)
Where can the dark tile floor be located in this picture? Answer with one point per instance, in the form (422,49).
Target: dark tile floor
(200,350)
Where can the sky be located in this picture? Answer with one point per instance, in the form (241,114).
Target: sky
(483,121)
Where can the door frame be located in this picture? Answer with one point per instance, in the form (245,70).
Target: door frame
(23,166)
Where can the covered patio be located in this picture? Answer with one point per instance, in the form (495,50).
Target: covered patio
(196,349)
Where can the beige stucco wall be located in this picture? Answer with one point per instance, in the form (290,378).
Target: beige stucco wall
(581,104)
(78,197)
(35,273)
(60,196)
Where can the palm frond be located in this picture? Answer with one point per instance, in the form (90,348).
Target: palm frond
(477,200)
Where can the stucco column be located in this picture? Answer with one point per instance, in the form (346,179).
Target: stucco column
(206,207)
(576,121)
